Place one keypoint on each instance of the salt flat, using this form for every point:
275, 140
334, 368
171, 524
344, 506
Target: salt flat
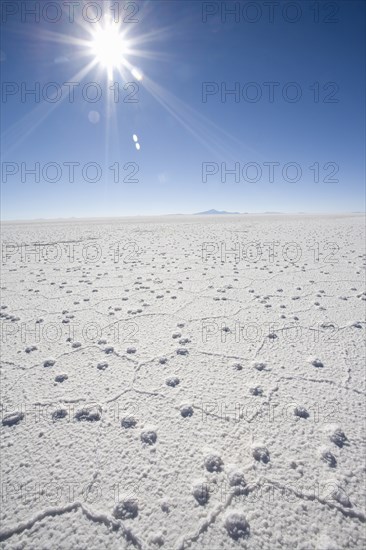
183, 382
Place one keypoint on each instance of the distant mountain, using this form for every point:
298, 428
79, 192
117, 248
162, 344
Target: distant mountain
214, 212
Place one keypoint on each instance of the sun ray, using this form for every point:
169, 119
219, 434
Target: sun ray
23, 128
213, 137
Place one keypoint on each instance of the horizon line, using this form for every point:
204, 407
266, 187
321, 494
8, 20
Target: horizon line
198, 214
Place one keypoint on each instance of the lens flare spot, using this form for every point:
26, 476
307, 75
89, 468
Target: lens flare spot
94, 117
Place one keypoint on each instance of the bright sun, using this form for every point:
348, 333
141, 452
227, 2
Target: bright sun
109, 47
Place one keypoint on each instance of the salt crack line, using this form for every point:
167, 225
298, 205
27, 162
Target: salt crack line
354, 514
58, 511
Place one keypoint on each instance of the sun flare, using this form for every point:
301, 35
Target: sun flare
109, 47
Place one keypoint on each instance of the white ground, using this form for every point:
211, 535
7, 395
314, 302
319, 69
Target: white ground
261, 443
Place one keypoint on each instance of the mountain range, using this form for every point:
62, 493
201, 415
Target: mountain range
214, 212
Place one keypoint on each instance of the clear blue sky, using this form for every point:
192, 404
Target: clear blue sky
178, 46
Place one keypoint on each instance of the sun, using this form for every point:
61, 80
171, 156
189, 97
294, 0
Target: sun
109, 46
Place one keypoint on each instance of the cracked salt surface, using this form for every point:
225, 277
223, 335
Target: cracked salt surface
176, 402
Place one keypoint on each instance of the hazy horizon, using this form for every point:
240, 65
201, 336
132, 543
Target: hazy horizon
196, 214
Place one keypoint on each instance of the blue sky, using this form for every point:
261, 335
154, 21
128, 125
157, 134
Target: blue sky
182, 49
